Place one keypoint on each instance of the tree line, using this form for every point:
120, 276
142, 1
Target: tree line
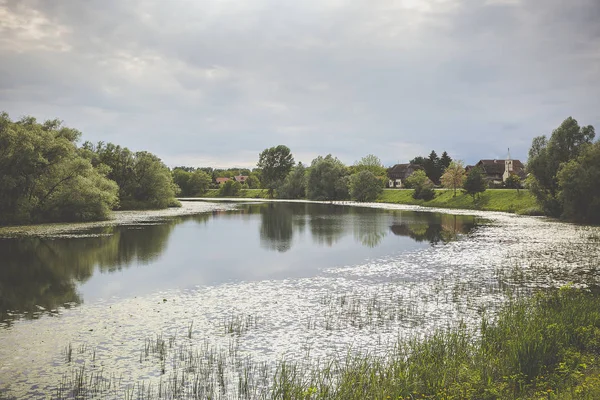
45, 176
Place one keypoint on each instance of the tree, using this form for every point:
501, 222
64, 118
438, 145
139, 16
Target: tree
454, 176
475, 183
181, 177
422, 185
44, 176
144, 180
513, 182
419, 161
432, 167
444, 162
294, 186
275, 163
370, 163
579, 181
253, 181
230, 188
327, 179
199, 182
365, 186
545, 159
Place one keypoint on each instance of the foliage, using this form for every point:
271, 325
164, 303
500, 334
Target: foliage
144, 181
327, 179
294, 186
230, 188
454, 176
579, 182
45, 177
513, 182
475, 183
432, 167
365, 186
419, 160
275, 163
253, 181
370, 163
422, 185
199, 182
545, 159
444, 162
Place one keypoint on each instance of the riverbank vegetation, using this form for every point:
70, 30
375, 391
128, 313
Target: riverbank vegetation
46, 177
541, 347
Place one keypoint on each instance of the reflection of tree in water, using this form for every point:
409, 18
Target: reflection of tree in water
369, 227
44, 272
434, 228
276, 229
326, 223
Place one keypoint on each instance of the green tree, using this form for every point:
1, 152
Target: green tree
454, 176
432, 167
327, 179
444, 163
579, 182
199, 183
513, 182
294, 186
475, 183
144, 180
419, 160
422, 185
275, 163
365, 186
181, 177
546, 157
370, 163
230, 188
253, 181
45, 177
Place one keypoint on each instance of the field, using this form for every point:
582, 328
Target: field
507, 200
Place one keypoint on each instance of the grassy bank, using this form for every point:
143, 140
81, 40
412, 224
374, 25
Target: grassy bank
545, 347
507, 200
244, 193
542, 348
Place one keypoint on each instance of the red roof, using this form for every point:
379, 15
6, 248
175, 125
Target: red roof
222, 180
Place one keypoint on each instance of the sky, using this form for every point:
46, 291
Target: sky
215, 82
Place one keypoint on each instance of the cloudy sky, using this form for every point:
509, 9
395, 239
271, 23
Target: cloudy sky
214, 82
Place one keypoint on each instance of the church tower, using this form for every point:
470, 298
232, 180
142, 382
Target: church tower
508, 167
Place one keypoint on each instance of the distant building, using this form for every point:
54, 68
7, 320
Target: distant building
240, 178
222, 180
497, 171
398, 173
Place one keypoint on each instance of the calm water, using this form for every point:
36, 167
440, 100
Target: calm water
286, 276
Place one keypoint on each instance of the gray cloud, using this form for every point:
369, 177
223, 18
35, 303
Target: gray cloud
215, 82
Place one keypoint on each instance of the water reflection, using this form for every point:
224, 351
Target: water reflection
40, 274
434, 228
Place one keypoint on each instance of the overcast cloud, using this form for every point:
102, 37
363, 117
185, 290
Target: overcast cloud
214, 82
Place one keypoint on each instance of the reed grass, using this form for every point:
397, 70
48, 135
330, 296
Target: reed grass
541, 347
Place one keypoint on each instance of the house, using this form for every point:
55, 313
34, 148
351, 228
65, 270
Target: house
399, 172
497, 171
220, 181
240, 178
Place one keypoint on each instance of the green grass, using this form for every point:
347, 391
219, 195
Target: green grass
546, 347
543, 347
244, 193
507, 200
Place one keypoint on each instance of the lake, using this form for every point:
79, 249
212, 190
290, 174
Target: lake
252, 284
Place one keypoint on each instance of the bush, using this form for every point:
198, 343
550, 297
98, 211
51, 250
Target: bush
230, 188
